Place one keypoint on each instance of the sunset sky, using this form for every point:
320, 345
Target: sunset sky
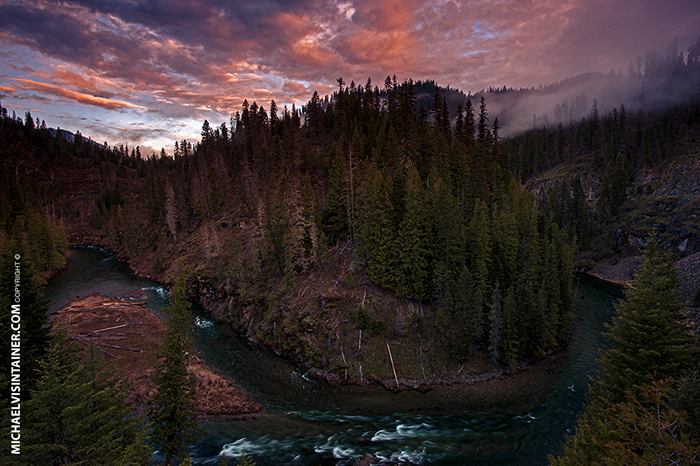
149, 72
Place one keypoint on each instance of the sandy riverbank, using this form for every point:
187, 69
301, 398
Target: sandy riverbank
130, 335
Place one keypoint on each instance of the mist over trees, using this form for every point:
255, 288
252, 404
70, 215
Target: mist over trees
414, 178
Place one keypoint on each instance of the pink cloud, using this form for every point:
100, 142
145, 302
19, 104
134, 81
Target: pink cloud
199, 59
69, 94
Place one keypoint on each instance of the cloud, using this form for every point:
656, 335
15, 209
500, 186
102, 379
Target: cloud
80, 97
196, 59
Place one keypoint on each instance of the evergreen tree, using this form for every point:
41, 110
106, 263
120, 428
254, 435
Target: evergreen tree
380, 233
78, 414
482, 129
464, 303
469, 124
171, 410
336, 213
413, 244
509, 343
643, 430
495, 324
647, 336
479, 244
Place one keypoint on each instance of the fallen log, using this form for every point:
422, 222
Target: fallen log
117, 347
86, 343
110, 328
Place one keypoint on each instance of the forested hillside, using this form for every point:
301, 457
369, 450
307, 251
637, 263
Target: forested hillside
369, 216
365, 196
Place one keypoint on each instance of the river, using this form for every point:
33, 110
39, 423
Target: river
308, 422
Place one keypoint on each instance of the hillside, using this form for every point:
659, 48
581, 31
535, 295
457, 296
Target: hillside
329, 240
368, 223
641, 176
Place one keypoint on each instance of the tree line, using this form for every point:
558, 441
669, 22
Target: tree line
431, 209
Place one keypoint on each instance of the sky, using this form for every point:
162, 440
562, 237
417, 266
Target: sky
148, 73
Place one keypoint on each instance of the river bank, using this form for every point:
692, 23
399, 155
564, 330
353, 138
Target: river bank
130, 335
513, 419
466, 375
622, 273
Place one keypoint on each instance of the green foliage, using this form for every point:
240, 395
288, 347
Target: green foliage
171, 409
336, 214
413, 244
684, 396
77, 413
380, 232
508, 346
643, 430
644, 406
479, 244
366, 322
41, 242
647, 336
616, 181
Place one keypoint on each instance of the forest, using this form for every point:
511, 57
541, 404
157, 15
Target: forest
364, 216
429, 213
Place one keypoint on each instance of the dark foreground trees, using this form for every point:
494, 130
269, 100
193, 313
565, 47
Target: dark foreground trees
77, 413
648, 336
642, 406
172, 406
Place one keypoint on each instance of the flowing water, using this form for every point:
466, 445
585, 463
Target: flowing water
306, 421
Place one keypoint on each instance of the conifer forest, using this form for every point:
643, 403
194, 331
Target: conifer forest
397, 236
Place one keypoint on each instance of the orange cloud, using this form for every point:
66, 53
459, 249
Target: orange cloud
296, 89
393, 49
9, 90
389, 15
66, 77
79, 97
309, 52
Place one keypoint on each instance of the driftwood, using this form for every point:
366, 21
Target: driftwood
102, 336
117, 347
391, 358
88, 344
342, 353
81, 307
110, 328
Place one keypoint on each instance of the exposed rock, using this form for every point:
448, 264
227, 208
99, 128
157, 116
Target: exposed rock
620, 272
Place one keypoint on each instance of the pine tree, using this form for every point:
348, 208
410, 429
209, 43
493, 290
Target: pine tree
78, 414
482, 130
469, 124
643, 430
413, 244
647, 336
479, 244
509, 344
448, 240
172, 406
467, 321
380, 233
495, 324
336, 214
